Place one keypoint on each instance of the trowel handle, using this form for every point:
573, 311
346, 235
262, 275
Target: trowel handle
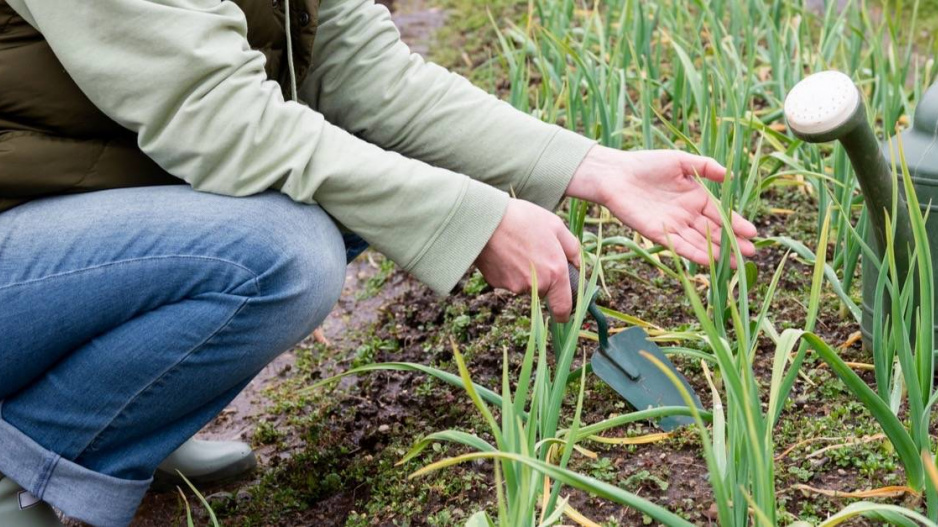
602, 325
575, 286
623, 362
574, 281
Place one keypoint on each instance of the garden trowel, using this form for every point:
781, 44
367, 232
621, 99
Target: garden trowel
619, 363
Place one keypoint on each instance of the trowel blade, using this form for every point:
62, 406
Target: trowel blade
652, 388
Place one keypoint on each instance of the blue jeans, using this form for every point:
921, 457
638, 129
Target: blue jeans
130, 318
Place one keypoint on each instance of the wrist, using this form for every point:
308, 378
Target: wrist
595, 175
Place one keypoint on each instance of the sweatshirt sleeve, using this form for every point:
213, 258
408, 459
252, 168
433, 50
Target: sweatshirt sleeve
368, 82
180, 73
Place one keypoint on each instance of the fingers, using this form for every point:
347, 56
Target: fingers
699, 241
688, 250
559, 292
570, 245
560, 295
532, 241
708, 168
708, 228
705, 167
702, 225
742, 228
746, 247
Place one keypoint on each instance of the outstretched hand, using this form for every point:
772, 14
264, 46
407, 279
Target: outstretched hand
656, 192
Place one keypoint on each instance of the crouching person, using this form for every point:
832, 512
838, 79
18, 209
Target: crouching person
181, 185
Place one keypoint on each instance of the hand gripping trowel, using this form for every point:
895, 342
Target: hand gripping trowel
619, 363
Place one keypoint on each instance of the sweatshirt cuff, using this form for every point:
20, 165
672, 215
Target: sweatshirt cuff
555, 167
470, 226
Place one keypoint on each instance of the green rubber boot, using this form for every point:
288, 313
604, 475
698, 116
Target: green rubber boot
204, 463
19, 508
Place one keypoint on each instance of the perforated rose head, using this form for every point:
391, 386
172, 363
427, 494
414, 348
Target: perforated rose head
824, 107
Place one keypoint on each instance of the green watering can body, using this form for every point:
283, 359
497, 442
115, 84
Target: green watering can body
920, 148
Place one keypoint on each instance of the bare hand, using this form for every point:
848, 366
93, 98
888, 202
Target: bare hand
656, 193
529, 236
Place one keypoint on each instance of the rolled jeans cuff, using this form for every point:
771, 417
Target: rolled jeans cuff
92, 497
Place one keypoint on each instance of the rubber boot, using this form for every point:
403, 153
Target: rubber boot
205, 462
19, 508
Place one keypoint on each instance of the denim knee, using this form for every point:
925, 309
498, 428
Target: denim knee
299, 257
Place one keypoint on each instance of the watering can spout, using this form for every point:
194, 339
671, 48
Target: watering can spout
828, 106
879, 185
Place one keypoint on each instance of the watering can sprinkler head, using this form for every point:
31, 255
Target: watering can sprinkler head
824, 107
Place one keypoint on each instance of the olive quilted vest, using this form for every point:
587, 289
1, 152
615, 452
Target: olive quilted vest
53, 140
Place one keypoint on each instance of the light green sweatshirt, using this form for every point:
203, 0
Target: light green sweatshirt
411, 157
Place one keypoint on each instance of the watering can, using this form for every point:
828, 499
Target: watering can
828, 106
